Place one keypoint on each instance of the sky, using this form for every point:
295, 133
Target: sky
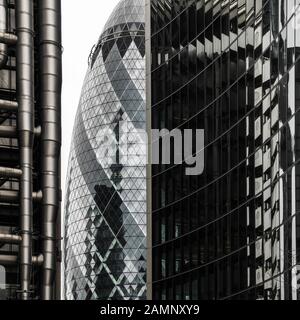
82, 24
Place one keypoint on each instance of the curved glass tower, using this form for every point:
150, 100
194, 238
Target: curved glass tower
105, 212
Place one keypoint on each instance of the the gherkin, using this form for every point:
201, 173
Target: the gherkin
105, 212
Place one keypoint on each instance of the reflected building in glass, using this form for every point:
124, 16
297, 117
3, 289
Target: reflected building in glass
105, 212
231, 68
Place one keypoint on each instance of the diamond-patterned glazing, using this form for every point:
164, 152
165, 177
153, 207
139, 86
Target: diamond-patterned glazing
105, 212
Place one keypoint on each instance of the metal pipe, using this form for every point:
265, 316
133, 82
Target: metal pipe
10, 172
8, 105
3, 30
25, 98
11, 196
50, 78
10, 260
10, 238
12, 132
8, 38
8, 132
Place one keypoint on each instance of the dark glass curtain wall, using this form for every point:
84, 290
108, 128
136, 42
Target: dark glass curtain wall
231, 68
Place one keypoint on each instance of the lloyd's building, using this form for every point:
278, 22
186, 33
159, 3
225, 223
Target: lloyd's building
30, 141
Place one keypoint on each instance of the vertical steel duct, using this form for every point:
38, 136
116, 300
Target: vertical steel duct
50, 51
3, 30
25, 97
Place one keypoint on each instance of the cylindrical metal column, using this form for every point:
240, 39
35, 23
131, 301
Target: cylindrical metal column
25, 97
50, 78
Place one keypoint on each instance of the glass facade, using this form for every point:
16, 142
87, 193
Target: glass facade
231, 68
105, 228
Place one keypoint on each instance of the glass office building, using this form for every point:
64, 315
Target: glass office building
231, 68
30, 141
105, 213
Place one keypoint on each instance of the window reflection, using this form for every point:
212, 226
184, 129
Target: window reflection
240, 82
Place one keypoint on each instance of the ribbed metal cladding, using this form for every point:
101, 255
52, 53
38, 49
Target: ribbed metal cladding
25, 97
50, 51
